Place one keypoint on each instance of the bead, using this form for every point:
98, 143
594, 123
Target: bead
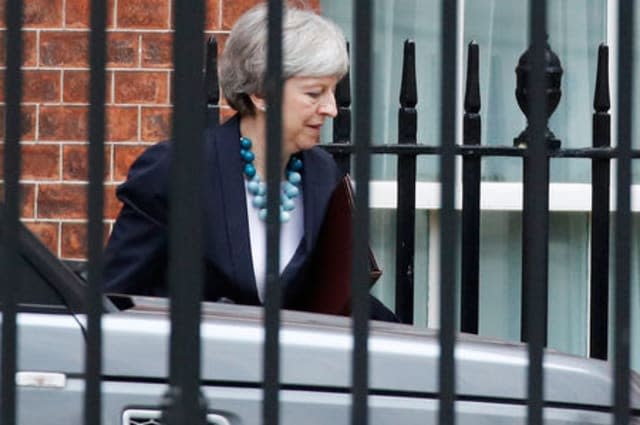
249, 170
294, 177
288, 204
284, 216
253, 186
295, 164
247, 156
245, 143
262, 213
291, 190
259, 201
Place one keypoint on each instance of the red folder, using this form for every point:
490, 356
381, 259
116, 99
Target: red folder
331, 264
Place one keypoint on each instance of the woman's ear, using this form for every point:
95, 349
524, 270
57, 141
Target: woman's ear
258, 102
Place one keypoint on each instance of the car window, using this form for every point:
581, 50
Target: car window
45, 283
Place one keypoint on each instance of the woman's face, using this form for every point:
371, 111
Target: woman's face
307, 102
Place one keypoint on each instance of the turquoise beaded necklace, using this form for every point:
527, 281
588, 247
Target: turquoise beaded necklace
258, 189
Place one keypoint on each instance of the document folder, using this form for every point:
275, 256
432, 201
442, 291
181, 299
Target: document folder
331, 264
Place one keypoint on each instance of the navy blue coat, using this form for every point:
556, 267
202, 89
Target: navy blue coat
136, 254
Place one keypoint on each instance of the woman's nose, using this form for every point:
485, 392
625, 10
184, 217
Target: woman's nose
328, 106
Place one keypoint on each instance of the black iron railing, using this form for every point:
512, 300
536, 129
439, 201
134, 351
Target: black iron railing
184, 403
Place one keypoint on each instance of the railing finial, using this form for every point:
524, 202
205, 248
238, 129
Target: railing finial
601, 98
472, 92
553, 77
408, 87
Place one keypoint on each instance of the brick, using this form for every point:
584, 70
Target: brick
157, 50
123, 158
41, 86
122, 49
29, 56
69, 201
212, 21
27, 199
74, 241
42, 13
122, 123
76, 86
62, 201
28, 122
112, 205
47, 233
141, 87
232, 10
136, 14
67, 123
77, 13
156, 124
75, 162
40, 162
64, 48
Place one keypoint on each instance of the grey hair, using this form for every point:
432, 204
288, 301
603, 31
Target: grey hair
313, 46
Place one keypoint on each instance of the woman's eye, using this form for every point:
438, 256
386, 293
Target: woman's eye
314, 94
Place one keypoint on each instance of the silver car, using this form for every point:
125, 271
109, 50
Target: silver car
315, 370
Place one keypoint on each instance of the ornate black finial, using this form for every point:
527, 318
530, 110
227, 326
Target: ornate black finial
472, 91
553, 78
408, 87
601, 99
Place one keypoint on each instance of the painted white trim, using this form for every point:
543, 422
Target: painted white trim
433, 268
497, 196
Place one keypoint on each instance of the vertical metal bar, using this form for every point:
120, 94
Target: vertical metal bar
406, 186
93, 362
622, 295
470, 262
11, 247
273, 86
185, 404
536, 215
448, 221
362, 28
600, 190
211, 85
342, 121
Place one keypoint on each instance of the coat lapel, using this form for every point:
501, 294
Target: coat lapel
230, 179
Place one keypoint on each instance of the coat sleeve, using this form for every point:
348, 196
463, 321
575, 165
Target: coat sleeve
136, 253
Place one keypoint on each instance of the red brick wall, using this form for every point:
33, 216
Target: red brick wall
55, 103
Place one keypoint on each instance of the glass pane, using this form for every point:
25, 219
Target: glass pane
500, 27
500, 278
383, 243
394, 22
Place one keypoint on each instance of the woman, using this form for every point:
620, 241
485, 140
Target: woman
314, 60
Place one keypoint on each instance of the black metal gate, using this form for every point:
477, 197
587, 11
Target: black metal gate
184, 401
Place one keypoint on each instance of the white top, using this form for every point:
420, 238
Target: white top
290, 236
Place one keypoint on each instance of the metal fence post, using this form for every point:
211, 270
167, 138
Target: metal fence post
184, 403
97, 54
600, 191
621, 357
11, 215
406, 187
448, 217
362, 28
471, 174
